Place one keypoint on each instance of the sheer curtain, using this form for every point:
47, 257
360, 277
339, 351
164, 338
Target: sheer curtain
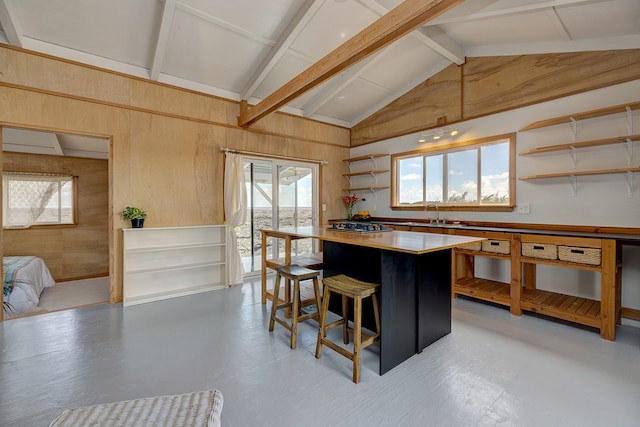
235, 212
26, 196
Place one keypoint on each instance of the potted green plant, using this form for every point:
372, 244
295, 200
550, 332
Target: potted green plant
135, 215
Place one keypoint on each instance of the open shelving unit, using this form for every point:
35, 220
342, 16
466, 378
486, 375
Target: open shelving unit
374, 172
167, 262
575, 145
522, 292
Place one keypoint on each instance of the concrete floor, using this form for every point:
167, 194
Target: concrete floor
493, 369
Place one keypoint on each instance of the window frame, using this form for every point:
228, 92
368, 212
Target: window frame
453, 147
74, 200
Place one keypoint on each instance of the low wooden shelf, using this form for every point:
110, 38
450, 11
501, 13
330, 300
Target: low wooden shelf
566, 307
522, 292
484, 289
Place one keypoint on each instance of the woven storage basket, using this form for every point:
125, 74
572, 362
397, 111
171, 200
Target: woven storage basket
539, 250
472, 246
497, 246
578, 255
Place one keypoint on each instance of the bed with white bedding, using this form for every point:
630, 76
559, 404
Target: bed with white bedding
25, 277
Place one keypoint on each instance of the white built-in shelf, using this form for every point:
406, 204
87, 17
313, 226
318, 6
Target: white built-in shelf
167, 262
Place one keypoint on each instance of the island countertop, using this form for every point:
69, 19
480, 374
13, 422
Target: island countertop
401, 241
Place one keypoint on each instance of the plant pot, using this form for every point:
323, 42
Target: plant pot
137, 223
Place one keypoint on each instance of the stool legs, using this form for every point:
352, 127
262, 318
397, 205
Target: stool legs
358, 342
295, 313
293, 305
274, 305
323, 320
357, 337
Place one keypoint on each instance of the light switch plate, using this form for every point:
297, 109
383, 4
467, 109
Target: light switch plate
524, 208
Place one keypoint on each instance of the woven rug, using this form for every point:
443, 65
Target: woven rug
202, 408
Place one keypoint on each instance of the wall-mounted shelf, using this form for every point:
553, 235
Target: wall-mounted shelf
367, 157
373, 189
371, 172
575, 145
574, 174
571, 118
582, 144
374, 172
579, 173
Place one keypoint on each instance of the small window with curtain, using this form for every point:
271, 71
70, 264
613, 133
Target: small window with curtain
469, 175
37, 199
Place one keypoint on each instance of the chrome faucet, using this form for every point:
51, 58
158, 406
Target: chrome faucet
426, 208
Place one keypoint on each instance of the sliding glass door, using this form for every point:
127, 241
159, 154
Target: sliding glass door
280, 193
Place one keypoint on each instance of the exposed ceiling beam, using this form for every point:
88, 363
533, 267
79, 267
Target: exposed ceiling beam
436, 40
168, 11
555, 19
401, 20
297, 24
555, 46
55, 144
462, 14
10, 24
339, 83
224, 24
440, 42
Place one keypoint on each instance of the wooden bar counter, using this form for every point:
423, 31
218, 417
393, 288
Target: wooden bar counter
414, 271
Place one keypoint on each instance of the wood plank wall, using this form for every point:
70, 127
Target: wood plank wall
165, 142
70, 252
489, 85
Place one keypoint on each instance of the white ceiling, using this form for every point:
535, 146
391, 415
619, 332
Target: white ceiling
246, 49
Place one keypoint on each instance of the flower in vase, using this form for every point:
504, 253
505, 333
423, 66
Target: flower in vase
350, 201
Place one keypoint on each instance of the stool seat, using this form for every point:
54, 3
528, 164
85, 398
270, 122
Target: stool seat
293, 273
348, 287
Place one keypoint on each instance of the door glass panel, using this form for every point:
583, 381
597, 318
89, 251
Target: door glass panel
293, 203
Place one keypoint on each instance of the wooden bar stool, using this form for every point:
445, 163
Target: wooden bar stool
348, 287
295, 273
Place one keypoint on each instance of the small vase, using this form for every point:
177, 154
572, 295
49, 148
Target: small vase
349, 213
137, 222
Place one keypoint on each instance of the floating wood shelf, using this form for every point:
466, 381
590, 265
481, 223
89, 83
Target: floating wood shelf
581, 116
580, 173
365, 172
366, 188
367, 157
372, 172
582, 144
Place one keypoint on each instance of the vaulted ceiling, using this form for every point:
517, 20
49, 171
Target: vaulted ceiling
248, 49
